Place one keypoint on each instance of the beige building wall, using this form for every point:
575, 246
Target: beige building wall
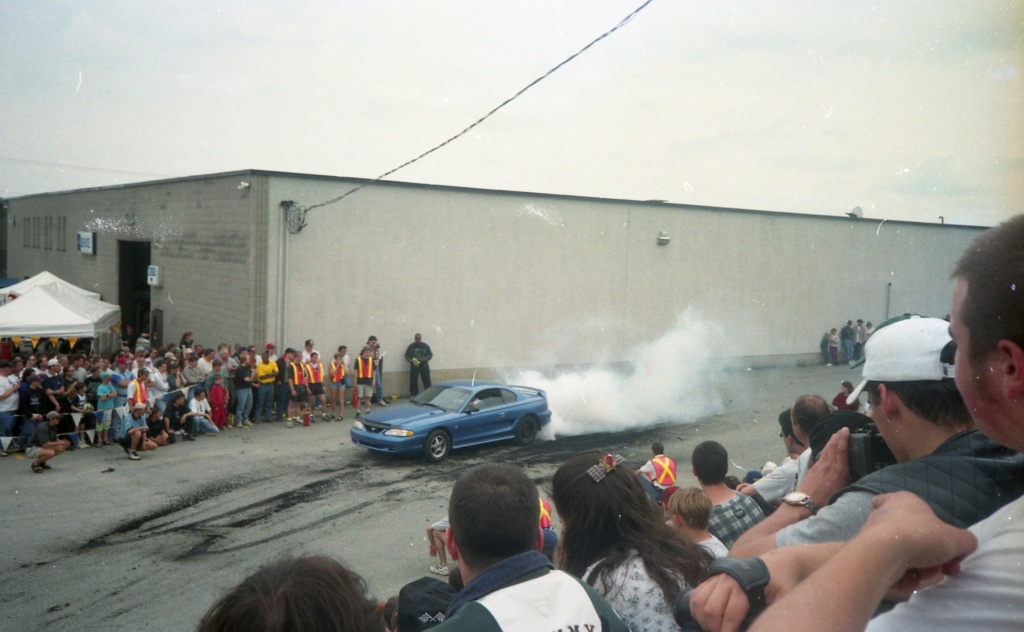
493, 280
499, 280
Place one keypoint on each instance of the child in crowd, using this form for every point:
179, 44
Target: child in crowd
337, 374
105, 396
219, 401
689, 510
76, 397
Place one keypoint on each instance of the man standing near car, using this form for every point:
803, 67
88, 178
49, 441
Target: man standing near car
418, 355
378, 367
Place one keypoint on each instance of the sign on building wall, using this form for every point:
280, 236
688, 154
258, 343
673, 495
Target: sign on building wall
87, 243
154, 276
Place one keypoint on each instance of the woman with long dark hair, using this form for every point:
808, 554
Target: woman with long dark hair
616, 540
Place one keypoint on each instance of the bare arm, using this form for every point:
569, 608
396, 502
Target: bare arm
826, 477
720, 605
901, 543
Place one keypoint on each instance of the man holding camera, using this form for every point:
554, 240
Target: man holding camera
917, 409
903, 543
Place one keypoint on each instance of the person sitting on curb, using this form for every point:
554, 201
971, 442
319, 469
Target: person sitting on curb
43, 445
177, 418
201, 413
135, 438
657, 474
436, 534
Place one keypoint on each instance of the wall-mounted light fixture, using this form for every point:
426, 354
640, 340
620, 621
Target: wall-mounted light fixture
663, 238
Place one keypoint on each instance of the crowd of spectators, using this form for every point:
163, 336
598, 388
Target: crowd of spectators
846, 343
142, 398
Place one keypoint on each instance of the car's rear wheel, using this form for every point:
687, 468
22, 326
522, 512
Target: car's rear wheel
437, 446
526, 432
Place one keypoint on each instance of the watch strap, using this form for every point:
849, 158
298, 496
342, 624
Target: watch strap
752, 575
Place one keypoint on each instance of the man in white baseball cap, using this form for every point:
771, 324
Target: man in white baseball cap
908, 349
916, 407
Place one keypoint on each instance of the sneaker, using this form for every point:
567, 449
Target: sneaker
133, 455
246, 426
189, 438
358, 415
45, 466
383, 403
440, 570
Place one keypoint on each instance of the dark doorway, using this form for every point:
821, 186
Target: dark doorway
133, 258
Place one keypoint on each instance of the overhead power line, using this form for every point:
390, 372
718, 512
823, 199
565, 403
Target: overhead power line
63, 165
301, 211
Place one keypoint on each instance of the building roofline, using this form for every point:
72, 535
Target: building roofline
463, 189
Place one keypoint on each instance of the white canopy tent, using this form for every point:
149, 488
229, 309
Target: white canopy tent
53, 311
41, 280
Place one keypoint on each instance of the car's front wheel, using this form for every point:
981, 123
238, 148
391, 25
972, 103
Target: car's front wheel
527, 430
437, 446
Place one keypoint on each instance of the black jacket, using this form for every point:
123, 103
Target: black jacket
964, 481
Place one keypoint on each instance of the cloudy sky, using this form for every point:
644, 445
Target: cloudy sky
910, 110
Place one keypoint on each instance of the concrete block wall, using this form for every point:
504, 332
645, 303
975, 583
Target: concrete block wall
201, 231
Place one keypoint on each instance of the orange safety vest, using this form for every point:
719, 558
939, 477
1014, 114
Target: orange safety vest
316, 375
364, 367
298, 374
664, 470
141, 394
338, 371
545, 514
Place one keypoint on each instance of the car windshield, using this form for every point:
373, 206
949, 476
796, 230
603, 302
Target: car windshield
448, 398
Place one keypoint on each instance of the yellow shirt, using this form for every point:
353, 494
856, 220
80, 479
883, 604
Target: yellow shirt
266, 372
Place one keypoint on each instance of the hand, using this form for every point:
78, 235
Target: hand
832, 470
720, 605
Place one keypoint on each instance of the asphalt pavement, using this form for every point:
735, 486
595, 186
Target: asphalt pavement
104, 543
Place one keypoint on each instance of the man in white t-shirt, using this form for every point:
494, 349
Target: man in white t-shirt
9, 399
199, 406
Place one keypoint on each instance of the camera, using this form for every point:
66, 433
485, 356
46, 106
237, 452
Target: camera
868, 452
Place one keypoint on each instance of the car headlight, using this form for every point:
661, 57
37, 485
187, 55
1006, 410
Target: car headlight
358, 425
398, 432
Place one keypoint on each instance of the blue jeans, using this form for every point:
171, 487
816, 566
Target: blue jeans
283, 394
379, 389
264, 402
202, 424
653, 491
117, 428
7, 423
243, 404
848, 349
28, 427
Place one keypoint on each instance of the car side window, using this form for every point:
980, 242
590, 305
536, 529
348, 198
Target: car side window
488, 399
507, 397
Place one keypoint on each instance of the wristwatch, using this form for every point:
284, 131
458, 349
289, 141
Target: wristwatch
800, 499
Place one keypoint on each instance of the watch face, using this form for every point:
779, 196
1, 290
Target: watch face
795, 498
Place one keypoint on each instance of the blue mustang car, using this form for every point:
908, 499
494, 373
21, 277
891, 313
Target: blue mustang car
455, 415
